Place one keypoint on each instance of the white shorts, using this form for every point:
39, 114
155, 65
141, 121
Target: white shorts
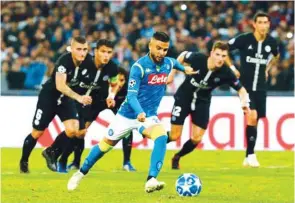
121, 126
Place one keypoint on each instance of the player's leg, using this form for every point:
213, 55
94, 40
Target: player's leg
258, 110
180, 111
118, 128
79, 145
68, 114
43, 115
200, 119
158, 134
73, 143
87, 116
28, 146
127, 147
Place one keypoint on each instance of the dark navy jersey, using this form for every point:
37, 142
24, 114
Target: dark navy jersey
254, 59
205, 80
96, 81
75, 75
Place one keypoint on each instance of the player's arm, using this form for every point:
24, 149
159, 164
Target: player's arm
135, 77
245, 100
242, 92
61, 85
113, 90
229, 63
180, 65
274, 60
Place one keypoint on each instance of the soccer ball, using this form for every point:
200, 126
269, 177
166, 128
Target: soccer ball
188, 184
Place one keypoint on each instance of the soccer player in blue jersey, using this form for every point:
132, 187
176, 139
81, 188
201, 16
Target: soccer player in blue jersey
146, 87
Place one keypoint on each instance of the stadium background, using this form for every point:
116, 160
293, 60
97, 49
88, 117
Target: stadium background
34, 34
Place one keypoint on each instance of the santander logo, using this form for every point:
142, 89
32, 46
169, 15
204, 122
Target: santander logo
157, 79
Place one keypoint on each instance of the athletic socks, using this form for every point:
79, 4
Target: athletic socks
188, 147
67, 151
28, 146
157, 156
78, 150
94, 155
59, 144
127, 146
251, 135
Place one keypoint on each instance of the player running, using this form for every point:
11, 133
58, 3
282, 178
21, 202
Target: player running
194, 95
146, 87
57, 98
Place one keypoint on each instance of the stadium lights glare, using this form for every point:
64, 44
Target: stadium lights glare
183, 7
289, 35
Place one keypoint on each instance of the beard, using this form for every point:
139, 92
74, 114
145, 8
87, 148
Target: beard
155, 58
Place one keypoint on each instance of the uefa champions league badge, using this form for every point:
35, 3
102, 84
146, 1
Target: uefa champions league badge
111, 132
267, 48
132, 83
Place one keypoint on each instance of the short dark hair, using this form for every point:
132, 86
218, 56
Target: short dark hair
105, 42
161, 36
261, 14
220, 45
123, 72
80, 39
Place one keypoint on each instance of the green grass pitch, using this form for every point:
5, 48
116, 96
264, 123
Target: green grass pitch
223, 177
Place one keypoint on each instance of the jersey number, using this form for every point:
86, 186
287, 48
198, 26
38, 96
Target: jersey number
176, 111
38, 116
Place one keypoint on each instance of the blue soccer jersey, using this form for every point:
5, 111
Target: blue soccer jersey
146, 86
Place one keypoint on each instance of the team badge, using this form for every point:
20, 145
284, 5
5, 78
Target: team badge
267, 48
216, 80
105, 78
159, 165
111, 132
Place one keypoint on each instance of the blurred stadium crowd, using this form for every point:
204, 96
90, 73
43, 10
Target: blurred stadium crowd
34, 34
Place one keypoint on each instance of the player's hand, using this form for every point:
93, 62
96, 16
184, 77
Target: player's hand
246, 110
85, 100
237, 73
190, 71
141, 117
111, 103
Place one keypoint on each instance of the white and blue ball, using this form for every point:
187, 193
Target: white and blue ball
188, 184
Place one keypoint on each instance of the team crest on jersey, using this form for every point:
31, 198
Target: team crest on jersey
157, 79
111, 132
105, 78
216, 80
132, 83
61, 69
84, 71
159, 165
267, 48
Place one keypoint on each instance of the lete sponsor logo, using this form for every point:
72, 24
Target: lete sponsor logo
157, 79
